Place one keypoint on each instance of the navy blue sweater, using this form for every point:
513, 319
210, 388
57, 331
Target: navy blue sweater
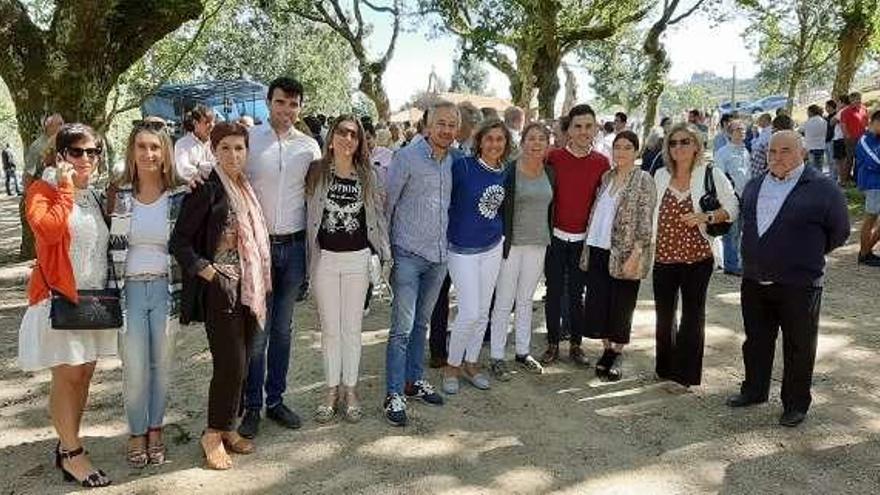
812, 222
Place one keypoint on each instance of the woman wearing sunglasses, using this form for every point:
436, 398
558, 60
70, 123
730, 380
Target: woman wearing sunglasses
345, 223
143, 207
684, 257
221, 243
72, 240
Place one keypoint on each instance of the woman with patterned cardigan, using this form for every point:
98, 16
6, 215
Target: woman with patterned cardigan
617, 252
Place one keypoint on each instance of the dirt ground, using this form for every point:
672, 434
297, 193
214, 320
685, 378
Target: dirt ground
563, 432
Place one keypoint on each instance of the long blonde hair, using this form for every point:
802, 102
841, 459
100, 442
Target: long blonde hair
169, 174
695, 136
320, 169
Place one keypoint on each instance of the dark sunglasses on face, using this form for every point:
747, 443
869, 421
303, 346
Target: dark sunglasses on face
341, 132
150, 124
679, 142
79, 152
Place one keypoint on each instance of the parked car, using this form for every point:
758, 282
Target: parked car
739, 107
769, 103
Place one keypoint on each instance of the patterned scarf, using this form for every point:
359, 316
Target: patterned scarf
253, 244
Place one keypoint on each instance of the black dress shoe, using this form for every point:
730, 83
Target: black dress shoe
284, 416
742, 400
250, 423
791, 419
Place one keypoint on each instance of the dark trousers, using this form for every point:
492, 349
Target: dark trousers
439, 336
562, 271
679, 350
795, 310
11, 177
230, 328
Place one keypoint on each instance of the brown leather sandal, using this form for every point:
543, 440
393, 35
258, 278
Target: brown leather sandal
238, 444
156, 450
215, 454
137, 452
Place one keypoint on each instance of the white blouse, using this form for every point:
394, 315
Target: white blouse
599, 234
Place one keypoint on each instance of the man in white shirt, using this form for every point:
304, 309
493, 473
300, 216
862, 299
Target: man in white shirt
815, 130
192, 152
278, 159
514, 120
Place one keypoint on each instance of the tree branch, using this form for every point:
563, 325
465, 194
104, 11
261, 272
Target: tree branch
378, 8
568, 39
24, 39
687, 13
394, 33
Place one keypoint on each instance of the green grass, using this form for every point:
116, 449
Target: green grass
855, 201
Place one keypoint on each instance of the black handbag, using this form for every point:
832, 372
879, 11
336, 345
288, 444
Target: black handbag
709, 202
96, 309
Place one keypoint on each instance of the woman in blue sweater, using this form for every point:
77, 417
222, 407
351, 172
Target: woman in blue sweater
475, 236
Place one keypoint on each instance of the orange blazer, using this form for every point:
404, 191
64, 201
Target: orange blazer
47, 210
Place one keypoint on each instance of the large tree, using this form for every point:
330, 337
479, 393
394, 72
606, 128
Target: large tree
538, 33
860, 22
353, 28
72, 64
794, 45
469, 75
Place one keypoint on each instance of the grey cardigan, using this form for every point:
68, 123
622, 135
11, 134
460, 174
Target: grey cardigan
377, 228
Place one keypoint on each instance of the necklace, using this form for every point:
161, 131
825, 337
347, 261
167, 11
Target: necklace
83, 198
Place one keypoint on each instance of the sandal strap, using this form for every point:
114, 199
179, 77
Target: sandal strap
70, 454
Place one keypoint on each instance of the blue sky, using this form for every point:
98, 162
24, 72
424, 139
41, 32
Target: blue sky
694, 45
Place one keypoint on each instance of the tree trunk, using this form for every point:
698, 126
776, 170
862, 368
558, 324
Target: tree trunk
851, 45
655, 76
371, 85
546, 72
794, 79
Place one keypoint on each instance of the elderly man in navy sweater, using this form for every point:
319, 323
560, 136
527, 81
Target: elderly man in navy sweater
792, 217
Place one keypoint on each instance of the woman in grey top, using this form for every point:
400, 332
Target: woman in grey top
528, 203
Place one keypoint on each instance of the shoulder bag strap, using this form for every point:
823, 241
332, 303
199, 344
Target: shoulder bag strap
709, 181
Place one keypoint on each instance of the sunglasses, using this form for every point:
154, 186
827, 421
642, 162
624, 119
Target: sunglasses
342, 132
679, 142
79, 152
152, 125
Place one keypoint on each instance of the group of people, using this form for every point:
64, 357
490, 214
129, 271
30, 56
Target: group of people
223, 228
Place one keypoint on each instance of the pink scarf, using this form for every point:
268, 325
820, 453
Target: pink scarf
253, 244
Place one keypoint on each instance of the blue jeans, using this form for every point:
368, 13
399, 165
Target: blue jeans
731, 242
829, 159
416, 284
146, 353
270, 349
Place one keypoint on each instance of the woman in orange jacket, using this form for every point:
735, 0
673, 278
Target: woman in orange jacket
72, 240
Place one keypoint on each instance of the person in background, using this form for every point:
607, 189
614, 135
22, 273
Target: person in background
345, 222
652, 155
418, 192
9, 170
192, 152
792, 218
838, 143
620, 122
143, 207
528, 222
854, 121
868, 181
381, 154
560, 132
722, 137
734, 160
515, 120
684, 258
397, 138
603, 140
34, 161
72, 241
830, 125
617, 252
470, 120
475, 234
247, 121
815, 129
489, 113
578, 169
221, 242
278, 160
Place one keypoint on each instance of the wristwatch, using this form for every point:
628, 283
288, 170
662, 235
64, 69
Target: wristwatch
710, 217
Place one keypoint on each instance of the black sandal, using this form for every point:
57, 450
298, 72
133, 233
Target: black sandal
96, 479
604, 363
614, 372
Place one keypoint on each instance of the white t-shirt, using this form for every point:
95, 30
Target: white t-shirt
191, 156
148, 238
814, 132
838, 129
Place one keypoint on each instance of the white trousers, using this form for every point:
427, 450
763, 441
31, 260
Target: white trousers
517, 282
340, 284
473, 276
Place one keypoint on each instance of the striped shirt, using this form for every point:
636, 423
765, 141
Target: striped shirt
418, 190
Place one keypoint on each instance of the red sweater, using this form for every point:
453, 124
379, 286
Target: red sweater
577, 180
854, 120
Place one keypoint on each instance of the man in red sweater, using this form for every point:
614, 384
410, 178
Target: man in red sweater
853, 122
578, 171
